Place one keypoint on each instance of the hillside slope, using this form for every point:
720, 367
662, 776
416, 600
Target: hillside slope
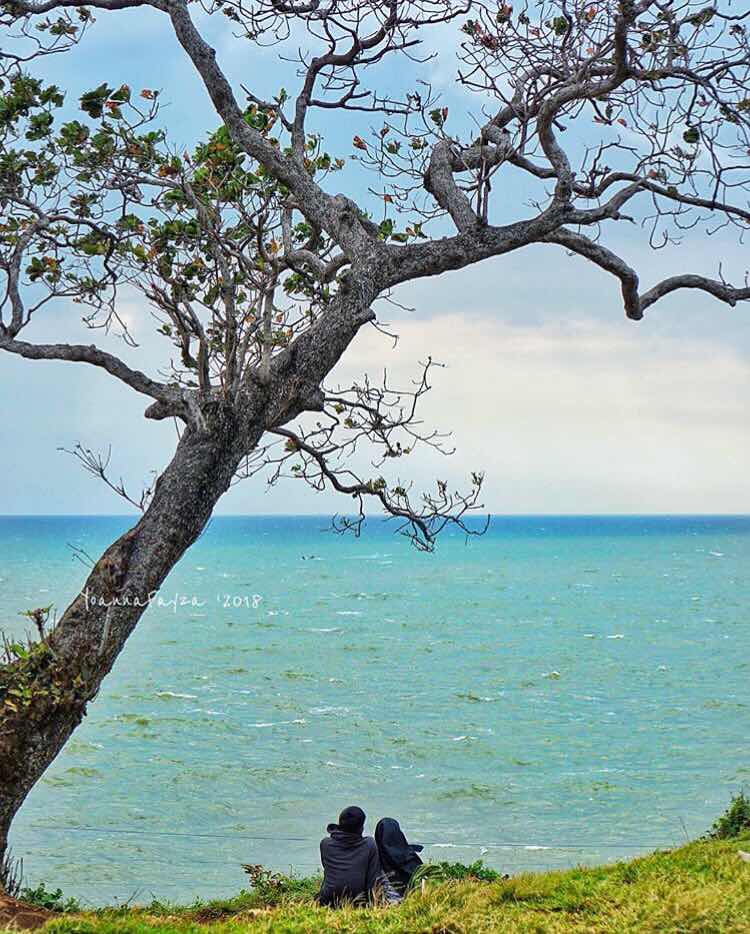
702, 887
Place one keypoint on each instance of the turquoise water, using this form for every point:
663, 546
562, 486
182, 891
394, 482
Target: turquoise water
562, 690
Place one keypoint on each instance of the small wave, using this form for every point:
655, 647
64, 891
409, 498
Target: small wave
83, 772
134, 718
476, 698
717, 554
262, 726
474, 790
175, 694
327, 629
348, 612
82, 746
376, 557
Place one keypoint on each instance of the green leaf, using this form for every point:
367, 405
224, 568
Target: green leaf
385, 229
691, 135
39, 126
121, 95
92, 102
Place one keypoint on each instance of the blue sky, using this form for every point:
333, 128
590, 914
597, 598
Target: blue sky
568, 407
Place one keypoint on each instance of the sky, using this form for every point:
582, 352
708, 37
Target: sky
564, 404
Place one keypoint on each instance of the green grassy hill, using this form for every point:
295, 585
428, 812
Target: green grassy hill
702, 887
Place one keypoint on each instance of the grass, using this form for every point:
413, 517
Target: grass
701, 887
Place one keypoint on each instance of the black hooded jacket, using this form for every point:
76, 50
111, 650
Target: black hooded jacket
398, 857
351, 866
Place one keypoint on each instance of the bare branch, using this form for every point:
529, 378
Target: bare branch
79, 353
98, 465
386, 420
636, 304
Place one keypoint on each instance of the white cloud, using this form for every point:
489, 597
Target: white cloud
565, 409
579, 416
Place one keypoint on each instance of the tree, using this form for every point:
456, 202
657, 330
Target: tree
259, 278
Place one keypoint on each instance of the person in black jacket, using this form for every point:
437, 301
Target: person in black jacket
398, 857
351, 865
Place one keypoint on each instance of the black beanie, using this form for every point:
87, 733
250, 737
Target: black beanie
352, 820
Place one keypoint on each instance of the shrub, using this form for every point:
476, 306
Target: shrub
445, 872
734, 821
11, 875
49, 900
273, 888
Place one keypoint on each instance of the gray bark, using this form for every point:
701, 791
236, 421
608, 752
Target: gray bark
95, 627
89, 636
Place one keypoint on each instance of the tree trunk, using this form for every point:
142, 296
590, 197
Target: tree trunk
43, 697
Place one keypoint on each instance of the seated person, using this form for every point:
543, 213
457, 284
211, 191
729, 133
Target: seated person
398, 857
351, 866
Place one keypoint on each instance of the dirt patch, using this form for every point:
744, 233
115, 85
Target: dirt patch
14, 914
210, 915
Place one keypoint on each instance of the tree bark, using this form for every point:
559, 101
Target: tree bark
44, 697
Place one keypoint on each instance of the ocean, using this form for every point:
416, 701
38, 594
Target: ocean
558, 691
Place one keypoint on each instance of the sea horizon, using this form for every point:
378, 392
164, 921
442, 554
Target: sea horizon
566, 689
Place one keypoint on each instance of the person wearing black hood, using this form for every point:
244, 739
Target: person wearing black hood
398, 857
351, 865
